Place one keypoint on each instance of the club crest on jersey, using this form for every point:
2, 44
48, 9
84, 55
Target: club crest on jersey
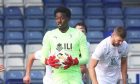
67, 46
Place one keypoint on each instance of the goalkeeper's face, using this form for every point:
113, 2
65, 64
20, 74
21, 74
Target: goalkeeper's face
61, 20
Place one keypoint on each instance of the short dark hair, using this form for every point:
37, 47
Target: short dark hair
120, 31
63, 9
81, 24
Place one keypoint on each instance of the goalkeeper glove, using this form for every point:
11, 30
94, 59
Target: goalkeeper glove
52, 61
70, 62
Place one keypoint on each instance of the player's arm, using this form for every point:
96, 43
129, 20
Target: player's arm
45, 48
83, 50
124, 64
95, 58
91, 69
1, 68
124, 69
30, 61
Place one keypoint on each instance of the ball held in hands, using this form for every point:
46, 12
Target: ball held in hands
61, 60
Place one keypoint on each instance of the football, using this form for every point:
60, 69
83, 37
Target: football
62, 56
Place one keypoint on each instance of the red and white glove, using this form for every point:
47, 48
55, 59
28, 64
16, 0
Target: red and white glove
53, 62
70, 62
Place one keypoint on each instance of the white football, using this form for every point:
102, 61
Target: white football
62, 56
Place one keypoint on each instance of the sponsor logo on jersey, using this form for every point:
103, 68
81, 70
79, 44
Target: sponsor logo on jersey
67, 46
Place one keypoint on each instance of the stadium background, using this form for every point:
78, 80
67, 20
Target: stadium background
24, 22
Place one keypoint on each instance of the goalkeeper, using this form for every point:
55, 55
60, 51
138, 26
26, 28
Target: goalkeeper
68, 39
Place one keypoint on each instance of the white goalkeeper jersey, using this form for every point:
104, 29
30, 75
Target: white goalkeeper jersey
109, 65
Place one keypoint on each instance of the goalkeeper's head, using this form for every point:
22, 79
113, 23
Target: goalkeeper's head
62, 16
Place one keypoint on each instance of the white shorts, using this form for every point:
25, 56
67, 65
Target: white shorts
47, 80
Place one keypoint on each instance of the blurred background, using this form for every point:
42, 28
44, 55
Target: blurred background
24, 22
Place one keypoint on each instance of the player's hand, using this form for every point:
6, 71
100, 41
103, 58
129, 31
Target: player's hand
83, 69
53, 62
70, 62
1, 68
26, 79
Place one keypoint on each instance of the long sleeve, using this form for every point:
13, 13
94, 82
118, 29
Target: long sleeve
45, 47
83, 50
